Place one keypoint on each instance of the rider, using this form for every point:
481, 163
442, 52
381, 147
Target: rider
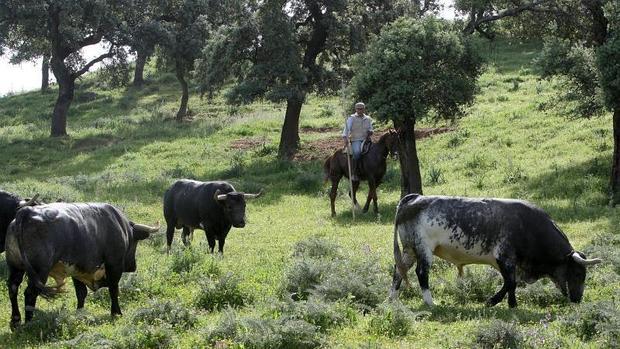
357, 129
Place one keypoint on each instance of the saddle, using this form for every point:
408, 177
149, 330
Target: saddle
365, 148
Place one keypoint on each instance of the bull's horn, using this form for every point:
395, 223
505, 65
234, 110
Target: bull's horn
146, 228
219, 197
253, 196
24, 203
585, 262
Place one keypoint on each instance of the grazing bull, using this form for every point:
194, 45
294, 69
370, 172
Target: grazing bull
93, 243
9, 204
214, 207
513, 236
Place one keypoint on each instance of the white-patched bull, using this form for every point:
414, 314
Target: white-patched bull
214, 207
513, 236
93, 243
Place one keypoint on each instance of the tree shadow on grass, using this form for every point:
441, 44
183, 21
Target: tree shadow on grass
453, 313
584, 185
344, 216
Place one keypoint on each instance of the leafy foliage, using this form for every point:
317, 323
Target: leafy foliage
415, 67
499, 334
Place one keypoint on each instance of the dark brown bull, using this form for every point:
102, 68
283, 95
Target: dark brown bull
372, 169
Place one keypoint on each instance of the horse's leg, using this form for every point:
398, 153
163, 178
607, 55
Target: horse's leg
374, 198
371, 189
333, 192
356, 185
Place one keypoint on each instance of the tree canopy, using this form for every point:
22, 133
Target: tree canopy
414, 69
284, 50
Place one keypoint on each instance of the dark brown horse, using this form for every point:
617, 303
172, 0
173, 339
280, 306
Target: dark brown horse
372, 169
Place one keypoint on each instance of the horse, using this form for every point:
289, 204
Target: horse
371, 169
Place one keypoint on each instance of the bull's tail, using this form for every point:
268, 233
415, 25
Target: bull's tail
398, 259
21, 219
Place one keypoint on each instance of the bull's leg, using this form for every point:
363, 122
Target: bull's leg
30, 299
113, 275
422, 270
169, 234
333, 193
15, 279
507, 269
80, 292
220, 245
211, 241
187, 231
397, 279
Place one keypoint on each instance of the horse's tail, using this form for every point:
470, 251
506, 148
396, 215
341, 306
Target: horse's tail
326, 169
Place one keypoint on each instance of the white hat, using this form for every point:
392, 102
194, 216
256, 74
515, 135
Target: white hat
360, 105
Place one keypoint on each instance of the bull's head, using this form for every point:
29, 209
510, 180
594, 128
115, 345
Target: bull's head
570, 277
139, 232
233, 204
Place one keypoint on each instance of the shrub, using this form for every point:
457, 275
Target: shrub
590, 320
225, 292
542, 294
499, 334
361, 281
226, 328
476, 286
315, 247
308, 181
165, 312
303, 276
320, 313
147, 337
183, 260
88, 341
393, 320
56, 324
267, 333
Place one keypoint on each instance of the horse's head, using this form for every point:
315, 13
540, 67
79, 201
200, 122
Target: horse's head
390, 140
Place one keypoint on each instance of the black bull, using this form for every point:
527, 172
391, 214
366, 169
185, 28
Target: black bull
214, 207
94, 243
9, 204
513, 236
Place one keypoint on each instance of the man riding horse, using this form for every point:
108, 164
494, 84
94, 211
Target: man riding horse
370, 168
357, 130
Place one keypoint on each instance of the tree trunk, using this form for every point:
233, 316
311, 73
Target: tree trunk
45, 73
66, 89
411, 180
185, 97
615, 168
138, 77
289, 138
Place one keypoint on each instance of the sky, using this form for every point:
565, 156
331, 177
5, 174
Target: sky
27, 76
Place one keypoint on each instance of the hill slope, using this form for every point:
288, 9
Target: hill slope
125, 149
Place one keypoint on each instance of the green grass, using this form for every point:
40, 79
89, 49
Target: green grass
124, 148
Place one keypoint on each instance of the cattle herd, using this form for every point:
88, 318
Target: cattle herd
94, 243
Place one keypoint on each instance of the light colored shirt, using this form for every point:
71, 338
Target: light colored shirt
357, 127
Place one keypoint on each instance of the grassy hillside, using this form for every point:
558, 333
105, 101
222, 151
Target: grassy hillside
125, 149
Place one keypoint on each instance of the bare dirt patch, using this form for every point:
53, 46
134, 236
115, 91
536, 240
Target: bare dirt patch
322, 148
248, 143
